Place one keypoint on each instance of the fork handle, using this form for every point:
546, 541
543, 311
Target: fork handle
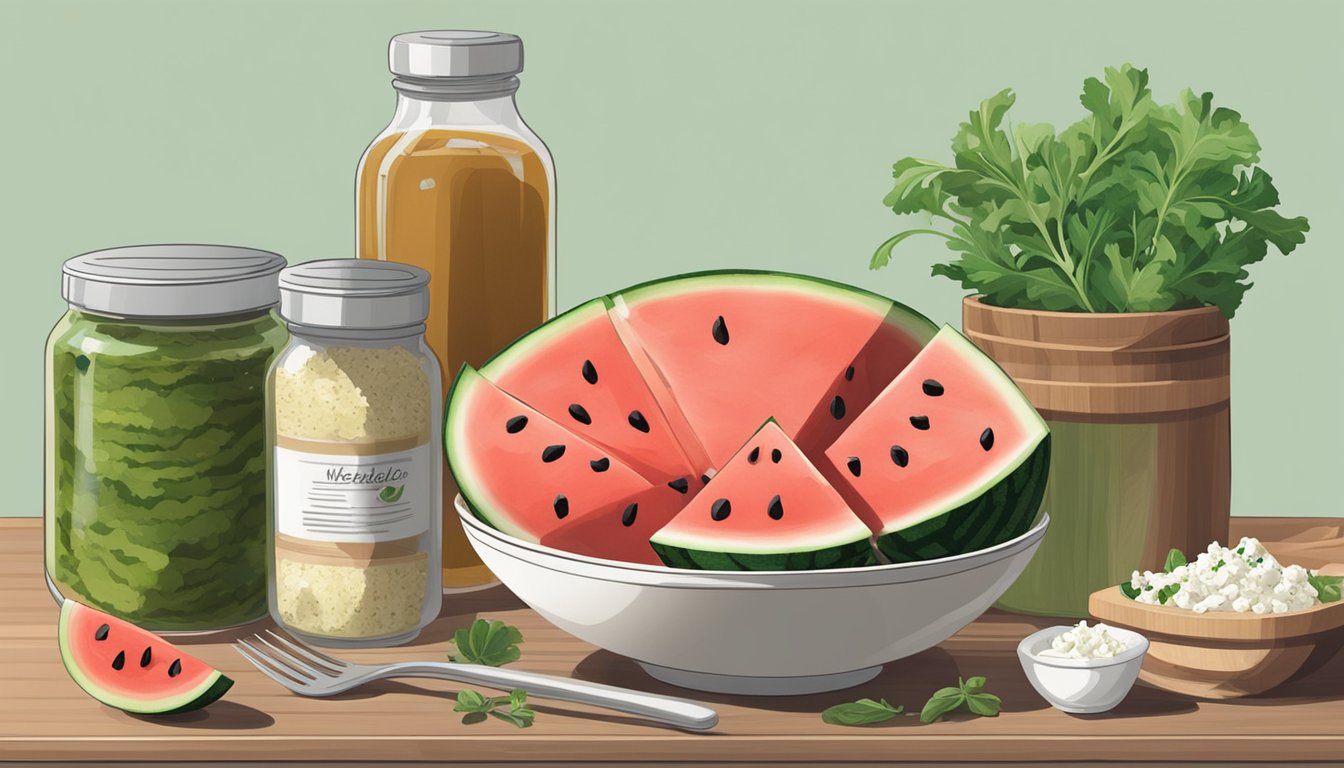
663, 709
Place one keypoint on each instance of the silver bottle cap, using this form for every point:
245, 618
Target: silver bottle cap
172, 281
455, 53
357, 294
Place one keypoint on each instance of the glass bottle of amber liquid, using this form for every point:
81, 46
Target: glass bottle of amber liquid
458, 185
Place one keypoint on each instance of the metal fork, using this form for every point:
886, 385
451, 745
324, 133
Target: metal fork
309, 672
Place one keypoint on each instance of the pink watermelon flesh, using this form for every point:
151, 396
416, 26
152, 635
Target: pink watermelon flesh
854, 388
521, 471
767, 509
132, 669
734, 349
951, 433
622, 533
575, 370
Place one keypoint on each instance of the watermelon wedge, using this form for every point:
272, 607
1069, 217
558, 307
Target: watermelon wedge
950, 457
736, 348
621, 532
576, 370
133, 669
521, 471
768, 509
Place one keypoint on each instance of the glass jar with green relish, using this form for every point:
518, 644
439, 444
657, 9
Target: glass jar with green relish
156, 479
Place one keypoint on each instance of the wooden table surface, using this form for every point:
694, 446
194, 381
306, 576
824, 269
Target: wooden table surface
45, 717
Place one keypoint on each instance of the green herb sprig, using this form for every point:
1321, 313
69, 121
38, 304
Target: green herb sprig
1138, 207
478, 707
1328, 588
491, 643
968, 694
861, 712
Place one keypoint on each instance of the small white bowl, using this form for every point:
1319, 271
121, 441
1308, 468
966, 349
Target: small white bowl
764, 633
1082, 686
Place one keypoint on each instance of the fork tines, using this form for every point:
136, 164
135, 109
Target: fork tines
289, 662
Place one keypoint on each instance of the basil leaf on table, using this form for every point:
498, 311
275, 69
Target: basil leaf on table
861, 712
490, 643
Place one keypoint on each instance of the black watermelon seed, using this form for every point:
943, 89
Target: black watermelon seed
580, 414
638, 422
855, 466
775, 456
120, 661
628, 516
146, 657
516, 424
754, 455
600, 465
589, 372
987, 439
704, 479
919, 422
849, 373
719, 509
899, 456
837, 407
776, 508
561, 506
175, 668
552, 452
720, 330
679, 485
101, 634
933, 388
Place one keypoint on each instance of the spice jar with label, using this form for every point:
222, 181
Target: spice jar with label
354, 403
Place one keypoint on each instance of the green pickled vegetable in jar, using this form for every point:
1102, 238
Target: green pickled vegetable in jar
156, 434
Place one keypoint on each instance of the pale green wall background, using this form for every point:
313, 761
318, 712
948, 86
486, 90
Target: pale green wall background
687, 135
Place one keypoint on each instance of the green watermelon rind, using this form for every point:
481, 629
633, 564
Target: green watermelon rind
1002, 513
855, 554
474, 493
551, 330
207, 692
894, 312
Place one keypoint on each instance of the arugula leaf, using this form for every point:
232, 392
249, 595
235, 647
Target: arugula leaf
1328, 588
479, 707
1175, 559
1136, 207
861, 712
491, 643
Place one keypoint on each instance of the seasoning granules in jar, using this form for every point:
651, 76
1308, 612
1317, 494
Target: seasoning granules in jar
354, 403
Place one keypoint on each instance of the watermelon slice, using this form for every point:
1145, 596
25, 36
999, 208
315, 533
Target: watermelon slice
133, 669
735, 348
621, 532
524, 473
768, 509
576, 370
950, 457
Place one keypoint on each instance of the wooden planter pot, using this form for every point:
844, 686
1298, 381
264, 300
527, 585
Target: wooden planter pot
1138, 407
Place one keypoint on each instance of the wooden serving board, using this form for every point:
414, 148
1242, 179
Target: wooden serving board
45, 717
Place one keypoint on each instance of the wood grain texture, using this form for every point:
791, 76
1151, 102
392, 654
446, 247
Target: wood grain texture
45, 717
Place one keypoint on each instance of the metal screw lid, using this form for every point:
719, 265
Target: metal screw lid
172, 281
455, 53
354, 294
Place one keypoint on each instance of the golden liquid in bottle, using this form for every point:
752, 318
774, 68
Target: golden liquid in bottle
472, 209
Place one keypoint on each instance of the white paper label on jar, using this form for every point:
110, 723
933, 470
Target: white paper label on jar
351, 498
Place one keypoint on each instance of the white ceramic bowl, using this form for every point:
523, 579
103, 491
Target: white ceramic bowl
1082, 686
775, 633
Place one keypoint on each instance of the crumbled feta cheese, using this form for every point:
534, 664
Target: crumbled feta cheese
1242, 578
1084, 642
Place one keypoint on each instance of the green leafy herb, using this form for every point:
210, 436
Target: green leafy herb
511, 709
1167, 592
861, 712
391, 493
1127, 589
1175, 559
1328, 588
969, 694
1137, 207
492, 643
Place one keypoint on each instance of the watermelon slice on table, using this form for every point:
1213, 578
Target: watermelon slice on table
736, 348
576, 370
133, 669
768, 509
950, 457
523, 472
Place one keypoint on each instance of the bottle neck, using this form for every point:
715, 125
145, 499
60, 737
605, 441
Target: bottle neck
493, 110
456, 88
